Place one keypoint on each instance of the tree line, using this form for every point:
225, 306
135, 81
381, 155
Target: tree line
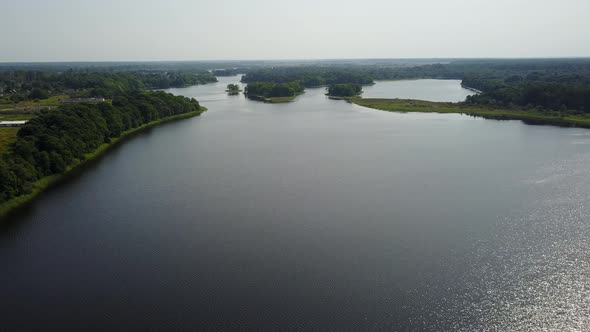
310, 76
57, 139
545, 84
531, 91
344, 90
233, 89
19, 85
269, 89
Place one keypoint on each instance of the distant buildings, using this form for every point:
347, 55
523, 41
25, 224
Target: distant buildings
82, 100
12, 123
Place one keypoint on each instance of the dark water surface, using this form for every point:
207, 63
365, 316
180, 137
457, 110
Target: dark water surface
312, 215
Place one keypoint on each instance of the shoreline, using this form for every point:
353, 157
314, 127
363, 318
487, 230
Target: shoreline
421, 106
471, 89
273, 100
348, 99
47, 182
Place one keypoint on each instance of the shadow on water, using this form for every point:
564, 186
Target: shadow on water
531, 122
8, 222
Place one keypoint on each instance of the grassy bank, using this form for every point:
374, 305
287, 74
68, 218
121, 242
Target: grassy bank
528, 116
51, 101
281, 99
16, 117
46, 182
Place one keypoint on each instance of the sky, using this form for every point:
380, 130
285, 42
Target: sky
149, 30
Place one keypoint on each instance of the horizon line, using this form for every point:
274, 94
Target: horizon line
297, 59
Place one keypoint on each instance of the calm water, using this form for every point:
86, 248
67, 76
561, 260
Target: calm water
312, 215
434, 90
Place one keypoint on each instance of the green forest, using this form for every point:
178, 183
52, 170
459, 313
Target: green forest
267, 89
54, 141
20, 85
344, 90
310, 76
543, 84
233, 89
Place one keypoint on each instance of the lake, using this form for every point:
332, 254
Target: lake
312, 215
426, 89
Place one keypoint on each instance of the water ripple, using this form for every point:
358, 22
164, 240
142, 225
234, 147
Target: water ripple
534, 273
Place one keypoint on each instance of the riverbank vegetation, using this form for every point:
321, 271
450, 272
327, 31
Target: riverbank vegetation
485, 111
32, 86
7, 104
344, 90
537, 85
233, 89
310, 76
273, 92
54, 142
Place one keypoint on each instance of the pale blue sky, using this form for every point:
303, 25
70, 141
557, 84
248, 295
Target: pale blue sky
110, 30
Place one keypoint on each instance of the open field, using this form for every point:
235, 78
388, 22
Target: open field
51, 101
529, 116
7, 136
16, 117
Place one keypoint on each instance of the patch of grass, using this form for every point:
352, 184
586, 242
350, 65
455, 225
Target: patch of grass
16, 117
6, 106
280, 99
51, 101
7, 137
529, 116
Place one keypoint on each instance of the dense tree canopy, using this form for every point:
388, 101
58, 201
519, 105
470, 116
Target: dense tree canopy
551, 84
18, 85
344, 90
233, 87
267, 90
310, 76
57, 139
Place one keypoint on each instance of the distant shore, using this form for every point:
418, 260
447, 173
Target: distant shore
527, 116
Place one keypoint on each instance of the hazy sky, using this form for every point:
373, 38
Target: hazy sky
92, 30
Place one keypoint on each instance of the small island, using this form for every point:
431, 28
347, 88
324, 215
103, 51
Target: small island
233, 89
273, 92
344, 91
